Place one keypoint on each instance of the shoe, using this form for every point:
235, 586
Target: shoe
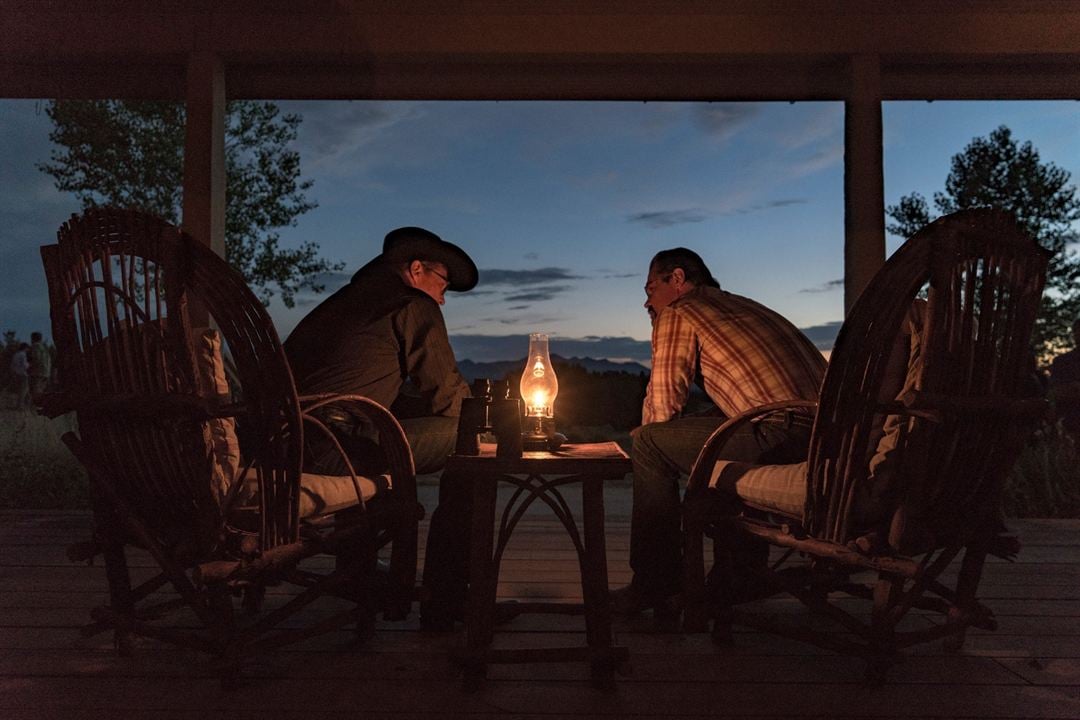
631, 600
432, 621
440, 616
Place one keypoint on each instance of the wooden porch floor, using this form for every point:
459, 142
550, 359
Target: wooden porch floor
1029, 668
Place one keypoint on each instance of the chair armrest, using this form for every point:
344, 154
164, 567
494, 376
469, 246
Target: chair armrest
933, 406
392, 440
153, 407
710, 452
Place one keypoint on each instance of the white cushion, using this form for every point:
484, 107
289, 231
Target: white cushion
225, 448
778, 488
323, 494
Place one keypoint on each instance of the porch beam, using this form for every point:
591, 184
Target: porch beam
864, 178
204, 151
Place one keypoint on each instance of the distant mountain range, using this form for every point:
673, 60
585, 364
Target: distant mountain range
473, 370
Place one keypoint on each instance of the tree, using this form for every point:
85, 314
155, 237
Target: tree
130, 154
996, 171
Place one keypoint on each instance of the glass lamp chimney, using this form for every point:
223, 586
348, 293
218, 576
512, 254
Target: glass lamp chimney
539, 386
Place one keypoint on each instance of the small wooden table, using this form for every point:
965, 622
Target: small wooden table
538, 476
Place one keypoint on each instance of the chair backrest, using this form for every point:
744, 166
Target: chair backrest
122, 285
983, 278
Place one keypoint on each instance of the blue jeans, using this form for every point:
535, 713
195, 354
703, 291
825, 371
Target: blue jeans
661, 454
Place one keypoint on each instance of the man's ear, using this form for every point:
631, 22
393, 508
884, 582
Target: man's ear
410, 271
678, 277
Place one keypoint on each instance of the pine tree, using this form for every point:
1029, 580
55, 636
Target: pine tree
997, 171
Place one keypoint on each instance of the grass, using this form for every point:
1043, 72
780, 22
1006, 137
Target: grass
36, 469
1045, 482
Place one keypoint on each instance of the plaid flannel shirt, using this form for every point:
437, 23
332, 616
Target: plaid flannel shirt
747, 354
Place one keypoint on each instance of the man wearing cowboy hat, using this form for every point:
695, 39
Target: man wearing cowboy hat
383, 336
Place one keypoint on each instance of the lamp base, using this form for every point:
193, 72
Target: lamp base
534, 441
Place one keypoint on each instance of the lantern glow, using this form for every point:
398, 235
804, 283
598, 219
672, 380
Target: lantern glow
539, 386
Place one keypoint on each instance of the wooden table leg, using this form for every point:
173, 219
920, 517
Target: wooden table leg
594, 583
483, 581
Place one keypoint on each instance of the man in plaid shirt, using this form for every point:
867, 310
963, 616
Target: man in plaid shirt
743, 355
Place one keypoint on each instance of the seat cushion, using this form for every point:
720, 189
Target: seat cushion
323, 494
775, 488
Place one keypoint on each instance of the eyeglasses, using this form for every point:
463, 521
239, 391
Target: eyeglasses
435, 272
656, 281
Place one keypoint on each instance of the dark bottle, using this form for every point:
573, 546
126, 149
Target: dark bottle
475, 418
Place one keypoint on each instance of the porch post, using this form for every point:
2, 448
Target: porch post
864, 178
204, 151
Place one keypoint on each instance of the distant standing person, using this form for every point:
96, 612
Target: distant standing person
40, 366
20, 367
1065, 382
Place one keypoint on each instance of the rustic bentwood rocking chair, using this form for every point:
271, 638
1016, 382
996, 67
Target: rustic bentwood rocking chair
950, 435
158, 428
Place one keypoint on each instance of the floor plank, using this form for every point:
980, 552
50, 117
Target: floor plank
1029, 668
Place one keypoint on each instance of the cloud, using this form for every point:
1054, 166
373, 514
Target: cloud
519, 320
825, 287
539, 294
488, 348
332, 135
823, 336
501, 320
770, 205
784, 203
496, 276
724, 120
531, 256
332, 280
508, 285
667, 218
812, 126
819, 160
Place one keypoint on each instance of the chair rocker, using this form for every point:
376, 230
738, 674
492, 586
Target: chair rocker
950, 436
202, 469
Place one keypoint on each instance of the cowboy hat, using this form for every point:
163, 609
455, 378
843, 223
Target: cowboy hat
406, 244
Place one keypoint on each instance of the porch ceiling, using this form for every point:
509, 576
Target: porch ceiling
555, 49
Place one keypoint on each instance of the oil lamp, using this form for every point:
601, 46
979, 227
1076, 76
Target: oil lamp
539, 386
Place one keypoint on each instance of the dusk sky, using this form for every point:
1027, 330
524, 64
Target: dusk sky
562, 204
